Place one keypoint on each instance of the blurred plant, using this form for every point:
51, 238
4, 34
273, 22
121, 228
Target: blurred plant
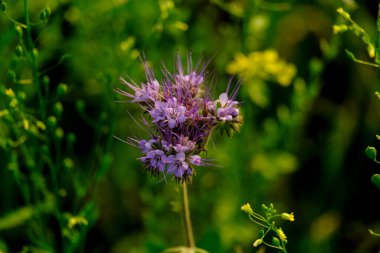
259, 68
373, 50
183, 115
352, 26
38, 152
268, 224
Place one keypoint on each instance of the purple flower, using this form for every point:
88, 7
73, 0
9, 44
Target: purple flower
178, 166
155, 159
182, 115
228, 108
148, 92
146, 146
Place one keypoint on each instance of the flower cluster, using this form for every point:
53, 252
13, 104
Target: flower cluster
182, 115
267, 223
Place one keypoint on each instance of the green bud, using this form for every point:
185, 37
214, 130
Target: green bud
261, 232
35, 52
371, 153
375, 179
21, 96
61, 89
80, 105
43, 15
51, 122
45, 150
18, 51
71, 137
58, 134
58, 108
15, 61
264, 207
276, 242
19, 31
11, 76
30, 163
3, 6
45, 80
48, 11
68, 163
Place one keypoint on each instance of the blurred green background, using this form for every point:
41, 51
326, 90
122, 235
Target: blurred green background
309, 113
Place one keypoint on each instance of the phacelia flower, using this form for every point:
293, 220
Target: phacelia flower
181, 116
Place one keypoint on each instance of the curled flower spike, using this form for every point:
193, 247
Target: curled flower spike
182, 115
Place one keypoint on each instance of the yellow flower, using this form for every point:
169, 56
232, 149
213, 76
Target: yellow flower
287, 216
257, 242
247, 208
9, 93
281, 235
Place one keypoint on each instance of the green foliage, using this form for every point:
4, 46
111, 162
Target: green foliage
68, 186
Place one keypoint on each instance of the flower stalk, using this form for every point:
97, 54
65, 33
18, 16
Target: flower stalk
186, 216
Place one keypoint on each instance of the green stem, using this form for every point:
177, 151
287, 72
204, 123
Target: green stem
186, 216
33, 57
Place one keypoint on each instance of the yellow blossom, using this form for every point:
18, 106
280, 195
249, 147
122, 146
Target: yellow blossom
281, 235
9, 93
247, 208
257, 242
287, 216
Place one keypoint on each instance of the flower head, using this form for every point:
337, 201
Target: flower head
281, 235
182, 116
247, 208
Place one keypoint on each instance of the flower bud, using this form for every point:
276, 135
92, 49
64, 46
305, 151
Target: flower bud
343, 13
61, 89
58, 108
45, 81
18, 51
58, 134
371, 153
371, 51
35, 52
19, 31
21, 96
51, 122
287, 216
3, 6
247, 209
339, 28
261, 232
80, 105
11, 76
375, 179
68, 163
276, 242
71, 137
257, 242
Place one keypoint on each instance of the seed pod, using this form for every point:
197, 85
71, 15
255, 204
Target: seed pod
371, 153
375, 179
